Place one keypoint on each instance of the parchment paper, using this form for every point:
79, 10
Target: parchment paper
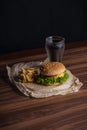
40, 91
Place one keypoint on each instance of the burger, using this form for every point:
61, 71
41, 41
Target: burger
52, 73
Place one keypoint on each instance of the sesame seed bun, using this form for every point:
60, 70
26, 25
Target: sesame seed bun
52, 69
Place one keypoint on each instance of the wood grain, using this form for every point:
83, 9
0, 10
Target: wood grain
18, 112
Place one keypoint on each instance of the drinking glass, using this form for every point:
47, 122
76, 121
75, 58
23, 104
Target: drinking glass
55, 46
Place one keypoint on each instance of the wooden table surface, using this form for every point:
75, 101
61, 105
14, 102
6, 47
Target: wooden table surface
69, 112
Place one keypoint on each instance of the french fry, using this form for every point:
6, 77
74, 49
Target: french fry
27, 75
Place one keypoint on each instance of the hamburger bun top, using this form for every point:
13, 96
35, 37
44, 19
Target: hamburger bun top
52, 69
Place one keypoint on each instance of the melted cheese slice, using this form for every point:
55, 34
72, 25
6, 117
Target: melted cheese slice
61, 75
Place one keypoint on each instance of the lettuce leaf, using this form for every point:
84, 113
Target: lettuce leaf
48, 81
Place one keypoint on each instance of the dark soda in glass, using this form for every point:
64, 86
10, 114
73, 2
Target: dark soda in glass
55, 46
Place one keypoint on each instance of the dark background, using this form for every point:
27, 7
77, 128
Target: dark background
26, 23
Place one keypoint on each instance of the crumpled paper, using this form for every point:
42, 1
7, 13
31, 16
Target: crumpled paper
41, 91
